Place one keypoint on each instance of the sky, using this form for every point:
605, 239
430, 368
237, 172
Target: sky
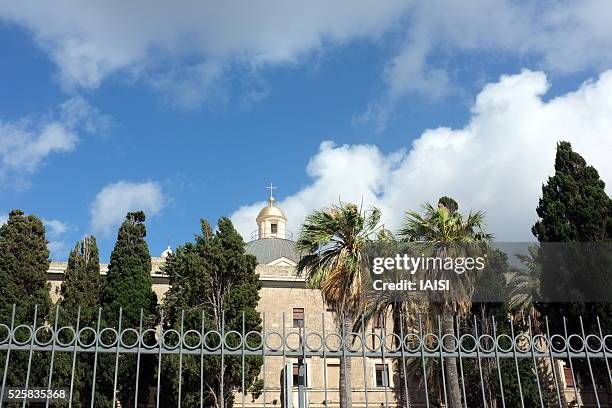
189, 109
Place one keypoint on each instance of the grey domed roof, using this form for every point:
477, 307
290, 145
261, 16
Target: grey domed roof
267, 250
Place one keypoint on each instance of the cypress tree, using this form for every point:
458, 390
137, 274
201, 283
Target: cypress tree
128, 282
128, 287
575, 208
214, 281
24, 261
81, 289
82, 284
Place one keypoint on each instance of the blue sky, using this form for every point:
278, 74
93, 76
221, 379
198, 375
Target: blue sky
191, 112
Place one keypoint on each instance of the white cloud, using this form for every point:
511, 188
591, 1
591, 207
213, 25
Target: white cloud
562, 37
55, 227
191, 49
56, 235
89, 42
115, 200
332, 181
25, 144
497, 162
77, 112
24, 147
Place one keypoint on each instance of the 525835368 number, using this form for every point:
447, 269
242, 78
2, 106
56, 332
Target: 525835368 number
35, 394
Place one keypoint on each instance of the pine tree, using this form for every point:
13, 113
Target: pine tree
24, 261
129, 288
214, 281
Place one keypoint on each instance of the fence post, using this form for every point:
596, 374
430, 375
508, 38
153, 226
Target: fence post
301, 383
525, 352
8, 354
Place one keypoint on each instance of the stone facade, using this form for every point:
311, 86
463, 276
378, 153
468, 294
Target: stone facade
283, 294
55, 277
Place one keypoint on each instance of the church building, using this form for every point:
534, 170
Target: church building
286, 304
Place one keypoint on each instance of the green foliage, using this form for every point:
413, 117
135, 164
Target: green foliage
82, 283
81, 289
490, 286
128, 282
574, 208
525, 282
441, 224
128, 287
213, 286
445, 229
440, 229
492, 319
333, 243
24, 261
449, 203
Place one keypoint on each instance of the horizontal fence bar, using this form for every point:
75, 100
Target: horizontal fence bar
521, 345
482, 354
298, 353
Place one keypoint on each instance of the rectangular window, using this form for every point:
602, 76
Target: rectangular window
382, 375
274, 228
569, 380
296, 375
298, 317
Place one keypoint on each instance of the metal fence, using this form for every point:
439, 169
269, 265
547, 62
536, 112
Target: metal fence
497, 362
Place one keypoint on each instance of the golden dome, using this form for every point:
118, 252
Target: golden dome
271, 211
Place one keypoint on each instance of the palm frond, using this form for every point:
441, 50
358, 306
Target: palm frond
333, 242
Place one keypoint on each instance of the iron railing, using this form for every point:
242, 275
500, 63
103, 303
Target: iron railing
267, 233
486, 355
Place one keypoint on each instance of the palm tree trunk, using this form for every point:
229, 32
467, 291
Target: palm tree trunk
346, 400
402, 387
450, 364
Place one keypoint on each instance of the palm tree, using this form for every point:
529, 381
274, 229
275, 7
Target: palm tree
333, 242
399, 305
524, 294
525, 281
443, 230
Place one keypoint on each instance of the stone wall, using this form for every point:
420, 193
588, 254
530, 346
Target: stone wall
282, 292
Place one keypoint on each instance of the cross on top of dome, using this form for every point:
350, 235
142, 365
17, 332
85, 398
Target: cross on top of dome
271, 220
271, 188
